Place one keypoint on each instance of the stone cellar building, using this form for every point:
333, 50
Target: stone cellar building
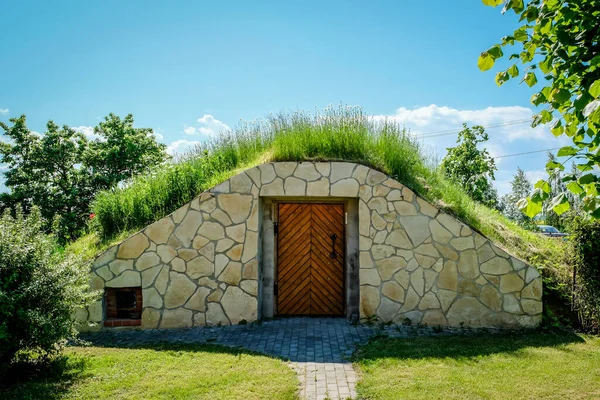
308, 239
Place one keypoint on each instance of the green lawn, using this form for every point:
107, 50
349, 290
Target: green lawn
519, 366
160, 372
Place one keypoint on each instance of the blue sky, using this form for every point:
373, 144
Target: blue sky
190, 68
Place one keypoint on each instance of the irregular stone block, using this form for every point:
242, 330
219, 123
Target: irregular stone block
126, 279
236, 205
179, 290
178, 318
134, 246
239, 305
345, 188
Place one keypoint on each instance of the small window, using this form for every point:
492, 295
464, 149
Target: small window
123, 306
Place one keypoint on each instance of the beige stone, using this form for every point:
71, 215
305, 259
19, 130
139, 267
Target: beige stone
416, 227
467, 264
235, 253
387, 310
399, 238
365, 260
439, 233
532, 274
377, 222
429, 301
119, 266
491, 298
238, 305
345, 188
254, 174
174, 242
365, 243
187, 254
364, 218
495, 266
212, 230
468, 287
267, 173
149, 275
240, 183
411, 301
197, 301
318, 188
208, 282
447, 252
425, 261
126, 279
294, 186
199, 319
404, 208
179, 290
200, 266
150, 318
427, 249
250, 287
369, 277
369, 301
393, 291
252, 222
232, 274
307, 172
180, 213
105, 257
380, 190
365, 192
95, 311
448, 278
434, 318
430, 277
463, 243
499, 251
215, 296
394, 195
285, 169
160, 231
224, 245
96, 283
412, 265
221, 261
403, 278
446, 297
511, 304
208, 251
147, 260
531, 306
375, 177
533, 290
162, 280
177, 264
105, 273
380, 237
250, 270
426, 208
166, 253
237, 206
151, 298
485, 253
380, 251
187, 228
178, 318
467, 312
378, 204
221, 217
274, 188
324, 168
199, 242
236, 232
134, 246
209, 205
360, 174
250, 246
389, 266
340, 170
215, 315
450, 223
417, 281
511, 283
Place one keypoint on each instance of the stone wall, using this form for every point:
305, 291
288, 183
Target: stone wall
201, 265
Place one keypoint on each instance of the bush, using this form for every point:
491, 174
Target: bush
40, 290
584, 254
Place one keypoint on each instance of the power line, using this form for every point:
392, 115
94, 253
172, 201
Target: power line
456, 130
527, 152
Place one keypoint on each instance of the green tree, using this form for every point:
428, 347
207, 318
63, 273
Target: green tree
471, 167
520, 188
40, 288
559, 41
122, 151
45, 170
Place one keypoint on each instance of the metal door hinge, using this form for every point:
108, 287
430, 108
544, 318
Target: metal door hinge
276, 228
346, 218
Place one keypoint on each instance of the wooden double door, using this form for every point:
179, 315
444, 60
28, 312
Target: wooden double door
310, 259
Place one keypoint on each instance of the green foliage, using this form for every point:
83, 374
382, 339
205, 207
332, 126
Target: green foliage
60, 171
584, 255
559, 41
121, 151
40, 289
472, 168
521, 188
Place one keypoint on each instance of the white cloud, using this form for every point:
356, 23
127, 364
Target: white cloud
3, 167
207, 125
536, 175
4, 111
183, 146
87, 131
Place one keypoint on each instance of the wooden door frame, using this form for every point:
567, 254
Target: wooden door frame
275, 211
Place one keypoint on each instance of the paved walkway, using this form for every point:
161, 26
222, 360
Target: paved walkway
318, 349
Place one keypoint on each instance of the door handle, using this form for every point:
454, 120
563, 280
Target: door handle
333, 253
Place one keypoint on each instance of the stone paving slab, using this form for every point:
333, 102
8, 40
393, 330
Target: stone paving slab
318, 349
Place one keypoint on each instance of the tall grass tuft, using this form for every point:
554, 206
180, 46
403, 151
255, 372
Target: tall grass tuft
336, 133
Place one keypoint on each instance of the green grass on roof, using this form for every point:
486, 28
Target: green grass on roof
334, 134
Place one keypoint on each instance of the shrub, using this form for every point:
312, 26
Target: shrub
40, 289
584, 254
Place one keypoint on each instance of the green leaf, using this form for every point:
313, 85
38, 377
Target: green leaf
560, 95
590, 108
575, 188
567, 151
557, 128
501, 77
513, 70
546, 65
587, 179
530, 79
543, 185
595, 89
552, 165
521, 34
546, 116
560, 204
485, 61
529, 207
495, 52
492, 3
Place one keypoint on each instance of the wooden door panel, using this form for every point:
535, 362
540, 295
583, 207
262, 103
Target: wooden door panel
310, 281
